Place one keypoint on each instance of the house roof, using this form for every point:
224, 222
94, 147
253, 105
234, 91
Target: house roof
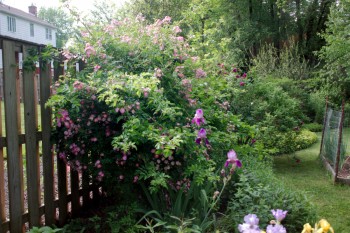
24, 15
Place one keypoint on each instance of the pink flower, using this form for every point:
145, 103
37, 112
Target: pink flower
94, 139
186, 82
122, 111
98, 164
166, 19
180, 38
242, 84
89, 50
232, 159
200, 73
96, 68
62, 155
78, 85
140, 17
194, 59
125, 39
136, 178
146, 92
177, 29
158, 73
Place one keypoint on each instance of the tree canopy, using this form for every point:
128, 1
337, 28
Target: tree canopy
61, 20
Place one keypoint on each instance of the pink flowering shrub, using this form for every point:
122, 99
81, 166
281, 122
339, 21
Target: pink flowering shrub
141, 114
126, 117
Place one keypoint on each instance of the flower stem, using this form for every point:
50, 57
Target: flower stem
215, 201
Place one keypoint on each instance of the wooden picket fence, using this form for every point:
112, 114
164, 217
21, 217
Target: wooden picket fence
47, 192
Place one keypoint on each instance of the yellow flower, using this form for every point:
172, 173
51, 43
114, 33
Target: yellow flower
324, 226
307, 228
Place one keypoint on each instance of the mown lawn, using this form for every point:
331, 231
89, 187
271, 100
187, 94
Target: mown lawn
332, 202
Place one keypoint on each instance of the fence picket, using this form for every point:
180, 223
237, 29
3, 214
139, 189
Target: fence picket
75, 192
31, 145
2, 178
86, 188
48, 161
61, 176
14, 155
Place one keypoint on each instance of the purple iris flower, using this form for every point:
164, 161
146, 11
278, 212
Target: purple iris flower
250, 224
198, 118
279, 214
202, 135
232, 159
276, 229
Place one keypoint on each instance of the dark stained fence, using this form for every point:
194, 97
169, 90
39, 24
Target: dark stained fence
36, 188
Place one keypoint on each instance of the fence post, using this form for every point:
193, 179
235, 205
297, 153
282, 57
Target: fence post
2, 179
14, 155
324, 124
48, 168
32, 147
339, 142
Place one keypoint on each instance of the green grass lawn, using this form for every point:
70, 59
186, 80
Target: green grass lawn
332, 202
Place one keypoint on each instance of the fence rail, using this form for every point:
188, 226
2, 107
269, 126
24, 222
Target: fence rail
33, 190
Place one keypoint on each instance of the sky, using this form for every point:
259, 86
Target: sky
83, 5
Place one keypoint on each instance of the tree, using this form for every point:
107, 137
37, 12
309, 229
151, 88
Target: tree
59, 19
158, 9
336, 53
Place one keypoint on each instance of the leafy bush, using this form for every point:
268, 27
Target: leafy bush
259, 195
267, 105
318, 104
283, 143
313, 127
115, 218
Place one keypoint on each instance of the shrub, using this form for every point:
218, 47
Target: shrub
283, 143
288, 63
313, 127
318, 104
258, 195
267, 105
118, 219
